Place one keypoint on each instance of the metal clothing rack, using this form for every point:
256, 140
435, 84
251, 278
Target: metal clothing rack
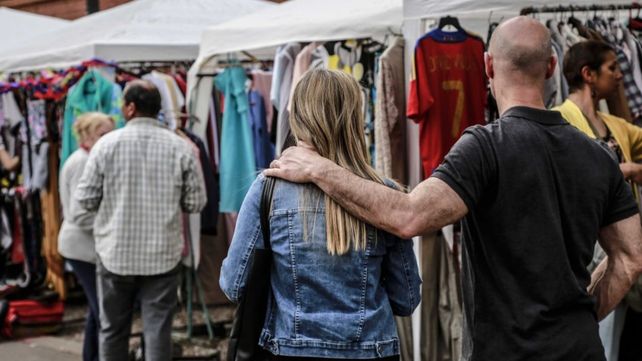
580, 8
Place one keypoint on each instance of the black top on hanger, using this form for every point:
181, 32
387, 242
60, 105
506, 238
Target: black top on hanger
575, 21
449, 20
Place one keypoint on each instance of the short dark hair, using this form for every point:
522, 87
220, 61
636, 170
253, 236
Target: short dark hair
591, 53
145, 96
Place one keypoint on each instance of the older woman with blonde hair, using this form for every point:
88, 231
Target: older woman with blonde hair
335, 280
76, 240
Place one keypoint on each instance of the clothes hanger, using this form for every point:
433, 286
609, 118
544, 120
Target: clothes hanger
450, 20
392, 31
586, 16
573, 21
250, 56
389, 33
637, 6
636, 23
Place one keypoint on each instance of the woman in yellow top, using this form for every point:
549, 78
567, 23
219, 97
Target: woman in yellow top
592, 73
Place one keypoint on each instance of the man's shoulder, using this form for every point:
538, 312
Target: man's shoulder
173, 141
483, 132
179, 142
107, 141
146, 131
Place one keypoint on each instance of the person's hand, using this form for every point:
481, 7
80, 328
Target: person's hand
8, 162
632, 171
13, 165
298, 164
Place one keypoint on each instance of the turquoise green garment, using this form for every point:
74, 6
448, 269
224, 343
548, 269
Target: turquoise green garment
116, 112
92, 93
237, 167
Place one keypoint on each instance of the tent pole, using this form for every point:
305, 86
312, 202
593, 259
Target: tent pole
571, 8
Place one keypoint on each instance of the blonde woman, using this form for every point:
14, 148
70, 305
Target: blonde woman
75, 240
336, 281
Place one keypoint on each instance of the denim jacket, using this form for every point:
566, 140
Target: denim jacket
322, 305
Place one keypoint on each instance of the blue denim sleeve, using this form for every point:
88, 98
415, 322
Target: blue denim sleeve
247, 237
401, 276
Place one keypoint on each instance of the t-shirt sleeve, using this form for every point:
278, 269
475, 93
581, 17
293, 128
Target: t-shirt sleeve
419, 97
621, 203
469, 167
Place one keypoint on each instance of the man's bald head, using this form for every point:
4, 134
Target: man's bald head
145, 96
521, 46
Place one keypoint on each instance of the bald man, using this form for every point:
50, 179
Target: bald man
532, 206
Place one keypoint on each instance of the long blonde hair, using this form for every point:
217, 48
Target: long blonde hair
327, 114
87, 123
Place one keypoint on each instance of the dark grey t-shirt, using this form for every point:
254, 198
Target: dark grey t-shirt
538, 191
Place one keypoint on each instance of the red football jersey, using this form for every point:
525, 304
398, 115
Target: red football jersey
447, 91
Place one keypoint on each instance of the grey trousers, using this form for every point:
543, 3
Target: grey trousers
116, 297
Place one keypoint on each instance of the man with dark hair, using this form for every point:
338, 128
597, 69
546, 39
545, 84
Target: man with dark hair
146, 97
139, 179
532, 206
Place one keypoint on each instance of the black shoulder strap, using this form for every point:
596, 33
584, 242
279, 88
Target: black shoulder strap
266, 204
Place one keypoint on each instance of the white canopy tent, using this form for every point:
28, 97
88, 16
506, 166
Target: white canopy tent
295, 20
303, 20
300, 20
21, 26
141, 30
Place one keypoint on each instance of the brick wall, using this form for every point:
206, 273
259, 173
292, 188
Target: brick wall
106, 4
65, 9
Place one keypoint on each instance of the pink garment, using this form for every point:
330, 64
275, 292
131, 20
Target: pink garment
301, 65
230, 225
262, 83
390, 113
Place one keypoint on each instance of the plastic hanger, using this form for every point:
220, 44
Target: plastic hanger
449, 20
573, 21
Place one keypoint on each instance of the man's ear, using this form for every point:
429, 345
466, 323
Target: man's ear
130, 109
488, 65
550, 67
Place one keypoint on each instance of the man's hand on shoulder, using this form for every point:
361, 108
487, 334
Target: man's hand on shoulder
300, 164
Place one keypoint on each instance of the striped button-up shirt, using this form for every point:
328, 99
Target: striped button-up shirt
139, 179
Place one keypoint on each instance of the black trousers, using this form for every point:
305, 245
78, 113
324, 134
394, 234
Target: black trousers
86, 274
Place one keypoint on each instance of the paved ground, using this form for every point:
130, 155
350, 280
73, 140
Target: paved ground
42, 348
67, 344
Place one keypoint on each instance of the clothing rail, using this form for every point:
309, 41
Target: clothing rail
572, 8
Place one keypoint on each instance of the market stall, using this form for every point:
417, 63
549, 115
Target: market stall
145, 30
81, 66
